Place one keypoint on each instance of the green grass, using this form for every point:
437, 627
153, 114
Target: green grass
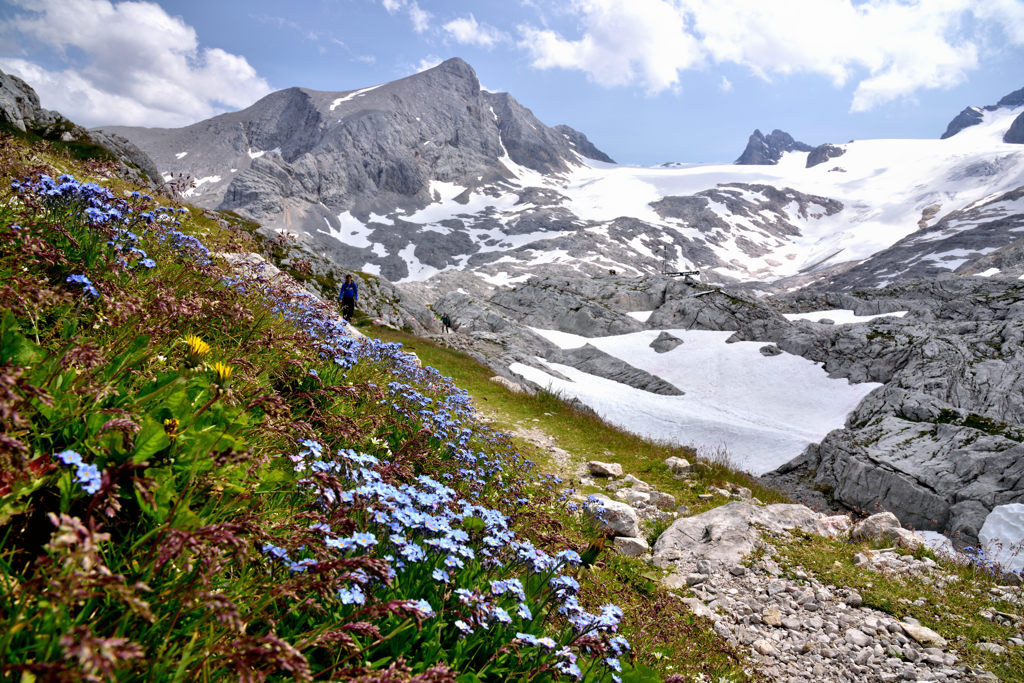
953, 611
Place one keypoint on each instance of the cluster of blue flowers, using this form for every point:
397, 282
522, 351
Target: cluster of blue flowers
86, 474
88, 289
102, 210
423, 530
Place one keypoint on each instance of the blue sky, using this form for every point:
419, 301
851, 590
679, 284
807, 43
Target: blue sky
647, 80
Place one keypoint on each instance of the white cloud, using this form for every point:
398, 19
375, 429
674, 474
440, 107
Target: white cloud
428, 62
139, 65
889, 48
725, 85
419, 17
625, 42
467, 31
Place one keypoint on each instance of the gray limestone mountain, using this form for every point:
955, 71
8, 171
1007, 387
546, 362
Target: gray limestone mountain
1015, 133
314, 162
970, 116
823, 153
983, 236
768, 149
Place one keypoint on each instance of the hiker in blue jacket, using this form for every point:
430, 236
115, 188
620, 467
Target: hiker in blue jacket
349, 295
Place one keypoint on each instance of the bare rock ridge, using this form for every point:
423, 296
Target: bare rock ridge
582, 144
768, 149
20, 109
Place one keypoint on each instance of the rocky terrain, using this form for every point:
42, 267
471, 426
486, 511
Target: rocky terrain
768, 149
939, 444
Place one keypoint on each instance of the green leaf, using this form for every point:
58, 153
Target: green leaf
15, 348
151, 440
468, 677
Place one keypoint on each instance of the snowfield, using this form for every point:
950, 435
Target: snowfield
885, 186
762, 410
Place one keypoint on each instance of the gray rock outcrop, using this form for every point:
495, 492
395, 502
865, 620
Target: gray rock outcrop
768, 149
970, 116
305, 160
724, 535
582, 144
1015, 133
823, 153
665, 342
593, 361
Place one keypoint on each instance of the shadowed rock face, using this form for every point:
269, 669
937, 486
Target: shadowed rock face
582, 145
767, 150
984, 236
823, 153
1015, 134
970, 116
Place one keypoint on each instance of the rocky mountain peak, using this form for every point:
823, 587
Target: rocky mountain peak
972, 116
1014, 99
453, 75
766, 150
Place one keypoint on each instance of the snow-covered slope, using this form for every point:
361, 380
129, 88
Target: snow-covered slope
735, 221
762, 410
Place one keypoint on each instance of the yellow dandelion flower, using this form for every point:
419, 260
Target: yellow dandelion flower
223, 372
196, 346
171, 428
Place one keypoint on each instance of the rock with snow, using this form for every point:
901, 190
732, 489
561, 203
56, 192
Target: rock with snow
970, 116
1015, 133
823, 153
1002, 537
768, 149
665, 342
593, 361
582, 144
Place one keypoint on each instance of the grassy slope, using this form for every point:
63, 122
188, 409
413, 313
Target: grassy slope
178, 561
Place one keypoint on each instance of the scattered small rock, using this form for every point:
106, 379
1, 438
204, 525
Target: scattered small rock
632, 547
604, 469
678, 465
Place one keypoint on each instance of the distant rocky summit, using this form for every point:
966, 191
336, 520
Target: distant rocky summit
767, 150
972, 116
823, 153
